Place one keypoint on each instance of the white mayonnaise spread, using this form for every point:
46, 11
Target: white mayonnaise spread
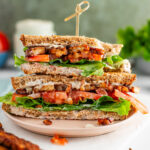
75, 84
33, 83
97, 82
117, 84
49, 45
48, 83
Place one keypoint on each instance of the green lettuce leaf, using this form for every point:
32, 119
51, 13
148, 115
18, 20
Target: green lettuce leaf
105, 103
19, 60
88, 68
25, 48
58, 61
7, 99
113, 61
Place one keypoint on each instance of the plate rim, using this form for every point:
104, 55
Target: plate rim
117, 123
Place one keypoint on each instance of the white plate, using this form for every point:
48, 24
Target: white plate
69, 128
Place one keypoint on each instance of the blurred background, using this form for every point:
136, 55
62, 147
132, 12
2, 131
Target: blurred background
102, 20
107, 20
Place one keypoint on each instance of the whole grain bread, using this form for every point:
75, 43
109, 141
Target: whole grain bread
32, 40
76, 82
37, 68
86, 114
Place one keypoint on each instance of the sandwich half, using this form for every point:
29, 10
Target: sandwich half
72, 77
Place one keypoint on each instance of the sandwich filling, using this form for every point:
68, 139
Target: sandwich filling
83, 67
76, 100
106, 101
73, 53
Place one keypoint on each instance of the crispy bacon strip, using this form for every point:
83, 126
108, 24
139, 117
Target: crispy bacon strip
47, 122
3, 148
71, 53
10, 141
59, 141
104, 121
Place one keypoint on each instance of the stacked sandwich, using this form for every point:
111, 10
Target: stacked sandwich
72, 77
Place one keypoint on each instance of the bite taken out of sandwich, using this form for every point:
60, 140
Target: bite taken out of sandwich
72, 77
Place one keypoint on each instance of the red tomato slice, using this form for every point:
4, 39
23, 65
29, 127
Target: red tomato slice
16, 95
54, 97
96, 57
38, 58
62, 97
136, 103
81, 95
101, 91
4, 43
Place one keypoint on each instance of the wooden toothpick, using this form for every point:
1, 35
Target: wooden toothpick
78, 12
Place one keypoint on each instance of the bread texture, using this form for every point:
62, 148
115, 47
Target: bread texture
31, 40
37, 68
63, 115
77, 83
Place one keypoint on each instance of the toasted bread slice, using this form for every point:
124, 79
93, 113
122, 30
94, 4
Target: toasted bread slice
60, 41
85, 114
37, 68
48, 82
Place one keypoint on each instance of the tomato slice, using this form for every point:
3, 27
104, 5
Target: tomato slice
38, 58
55, 97
96, 57
101, 91
81, 95
16, 95
59, 97
136, 103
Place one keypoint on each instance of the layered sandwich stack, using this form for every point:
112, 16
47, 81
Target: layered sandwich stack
72, 77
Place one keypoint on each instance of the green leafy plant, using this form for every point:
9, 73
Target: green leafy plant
136, 43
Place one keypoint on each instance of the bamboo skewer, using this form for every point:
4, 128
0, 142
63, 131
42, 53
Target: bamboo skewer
78, 11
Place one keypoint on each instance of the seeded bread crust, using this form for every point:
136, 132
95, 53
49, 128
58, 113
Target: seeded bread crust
31, 40
63, 115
